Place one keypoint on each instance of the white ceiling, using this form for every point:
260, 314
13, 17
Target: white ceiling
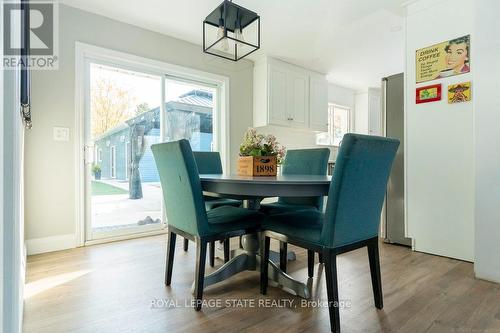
355, 42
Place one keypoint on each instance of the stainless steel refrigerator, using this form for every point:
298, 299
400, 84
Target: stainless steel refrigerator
393, 123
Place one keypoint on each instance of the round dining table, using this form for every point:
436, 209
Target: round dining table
252, 190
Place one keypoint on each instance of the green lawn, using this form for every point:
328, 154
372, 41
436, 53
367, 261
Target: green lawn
99, 188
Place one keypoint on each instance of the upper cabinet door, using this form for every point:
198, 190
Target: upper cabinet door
278, 114
318, 109
374, 112
298, 98
285, 95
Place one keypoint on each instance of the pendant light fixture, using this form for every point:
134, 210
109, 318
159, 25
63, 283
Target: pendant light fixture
238, 32
223, 31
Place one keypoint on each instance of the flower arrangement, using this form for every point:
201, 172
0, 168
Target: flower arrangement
261, 145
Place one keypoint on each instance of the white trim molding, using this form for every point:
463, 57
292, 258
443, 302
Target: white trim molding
50, 244
11, 181
84, 54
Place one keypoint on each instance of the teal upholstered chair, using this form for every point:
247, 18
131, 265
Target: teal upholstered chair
186, 212
300, 162
209, 162
352, 215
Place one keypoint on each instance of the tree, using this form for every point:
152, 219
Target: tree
139, 129
110, 105
138, 147
141, 108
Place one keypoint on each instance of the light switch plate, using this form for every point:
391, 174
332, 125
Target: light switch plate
61, 134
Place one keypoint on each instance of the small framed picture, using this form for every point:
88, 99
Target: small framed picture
428, 94
458, 93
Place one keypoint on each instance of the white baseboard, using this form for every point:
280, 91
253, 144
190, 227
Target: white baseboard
50, 244
489, 276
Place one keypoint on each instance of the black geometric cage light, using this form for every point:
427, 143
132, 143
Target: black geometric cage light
231, 31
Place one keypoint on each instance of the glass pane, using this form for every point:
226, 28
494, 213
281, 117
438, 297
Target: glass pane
340, 124
124, 123
189, 114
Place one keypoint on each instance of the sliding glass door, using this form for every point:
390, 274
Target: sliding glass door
189, 109
128, 110
124, 120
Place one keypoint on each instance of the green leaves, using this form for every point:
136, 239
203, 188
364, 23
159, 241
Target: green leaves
259, 145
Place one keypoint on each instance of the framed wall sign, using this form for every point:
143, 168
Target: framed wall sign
442, 60
428, 94
458, 93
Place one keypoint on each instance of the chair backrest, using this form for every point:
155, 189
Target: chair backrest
181, 186
358, 189
208, 162
305, 162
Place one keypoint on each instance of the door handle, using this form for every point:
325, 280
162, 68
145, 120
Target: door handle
88, 154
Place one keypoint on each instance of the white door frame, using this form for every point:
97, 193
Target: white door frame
112, 161
13, 251
85, 53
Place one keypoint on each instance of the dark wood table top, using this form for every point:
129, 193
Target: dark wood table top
242, 187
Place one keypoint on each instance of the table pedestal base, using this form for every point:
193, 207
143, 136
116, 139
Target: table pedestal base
273, 255
248, 259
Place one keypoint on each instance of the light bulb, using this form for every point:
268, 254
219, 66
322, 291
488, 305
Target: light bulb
224, 44
238, 34
220, 32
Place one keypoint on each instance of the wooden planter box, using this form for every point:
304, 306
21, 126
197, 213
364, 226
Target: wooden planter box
257, 166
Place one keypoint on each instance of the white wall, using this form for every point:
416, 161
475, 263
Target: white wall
368, 114
486, 76
50, 190
341, 95
2, 261
12, 263
439, 137
361, 113
2, 268
12, 216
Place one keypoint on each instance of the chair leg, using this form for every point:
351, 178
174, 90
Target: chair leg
373, 257
211, 253
320, 258
170, 257
264, 264
332, 289
310, 263
283, 255
201, 256
227, 250
186, 244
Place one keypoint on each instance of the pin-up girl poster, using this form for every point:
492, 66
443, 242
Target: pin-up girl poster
457, 57
443, 60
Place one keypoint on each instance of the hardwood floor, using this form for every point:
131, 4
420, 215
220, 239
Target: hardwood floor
119, 287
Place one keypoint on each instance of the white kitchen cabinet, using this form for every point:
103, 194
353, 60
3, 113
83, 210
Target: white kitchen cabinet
278, 86
368, 112
298, 99
318, 106
283, 96
374, 112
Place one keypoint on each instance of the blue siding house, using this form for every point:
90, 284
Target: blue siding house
189, 117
